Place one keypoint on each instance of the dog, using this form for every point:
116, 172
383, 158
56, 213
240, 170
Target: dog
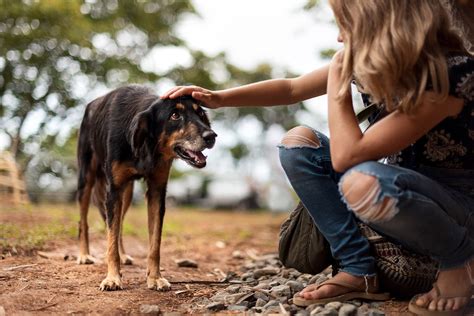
128, 134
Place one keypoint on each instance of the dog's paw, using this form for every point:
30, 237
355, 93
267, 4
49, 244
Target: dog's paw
86, 259
158, 283
111, 284
126, 260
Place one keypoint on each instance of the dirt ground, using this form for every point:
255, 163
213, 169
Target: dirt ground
39, 275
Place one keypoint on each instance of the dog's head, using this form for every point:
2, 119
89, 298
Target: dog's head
173, 128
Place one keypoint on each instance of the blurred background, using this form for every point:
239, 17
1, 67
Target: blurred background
58, 55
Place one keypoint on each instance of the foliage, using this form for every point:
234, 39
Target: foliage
56, 55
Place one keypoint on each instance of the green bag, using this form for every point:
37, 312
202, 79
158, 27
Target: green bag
401, 272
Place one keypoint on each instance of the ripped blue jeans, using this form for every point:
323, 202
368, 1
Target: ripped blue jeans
421, 214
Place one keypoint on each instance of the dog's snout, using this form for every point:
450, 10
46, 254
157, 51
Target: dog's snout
209, 137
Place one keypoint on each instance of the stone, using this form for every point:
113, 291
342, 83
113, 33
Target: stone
216, 307
272, 310
375, 312
186, 263
314, 279
326, 312
235, 288
2, 311
265, 272
281, 290
302, 313
333, 305
347, 310
260, 303
261, 295
237, 308
262, 286
314, 309
237, 254
271, 303
150, 309
295, 286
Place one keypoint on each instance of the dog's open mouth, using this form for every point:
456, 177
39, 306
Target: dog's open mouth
194, 158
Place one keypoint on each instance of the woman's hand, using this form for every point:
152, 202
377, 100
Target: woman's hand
210, 99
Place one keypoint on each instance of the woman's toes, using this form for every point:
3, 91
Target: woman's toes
459, 302
310, 295
433, 305
449, 304
423, 300
441, 305
309, 288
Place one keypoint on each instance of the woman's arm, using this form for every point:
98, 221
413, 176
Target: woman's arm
349, 146
264, 93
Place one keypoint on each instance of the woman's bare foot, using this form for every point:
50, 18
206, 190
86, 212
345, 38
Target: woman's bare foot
330, 290
450, 297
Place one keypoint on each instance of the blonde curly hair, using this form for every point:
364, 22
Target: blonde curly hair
395, 48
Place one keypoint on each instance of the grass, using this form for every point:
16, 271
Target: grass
32, 227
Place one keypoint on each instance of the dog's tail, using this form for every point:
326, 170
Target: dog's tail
84, 153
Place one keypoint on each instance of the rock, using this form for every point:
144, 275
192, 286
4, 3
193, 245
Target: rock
281, 290
149, 309
314, 279
326, 312
186, 263
220, 244
235, 288
238, 308
302, 313
347, 310
265, 272
172, 314
261, 295
272, 310
237, 254
333, 305
2, 311
375, 312
260, 303
271, 303
314, 309
215, 307
295, 286
262, 286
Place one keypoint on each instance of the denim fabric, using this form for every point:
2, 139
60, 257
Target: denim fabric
431, 217
310, 172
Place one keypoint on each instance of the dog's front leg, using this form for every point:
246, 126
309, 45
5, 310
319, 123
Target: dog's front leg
156, 212
113, 280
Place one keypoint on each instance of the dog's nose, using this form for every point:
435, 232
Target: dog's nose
209, 137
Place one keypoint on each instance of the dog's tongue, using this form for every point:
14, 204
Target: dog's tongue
197, 156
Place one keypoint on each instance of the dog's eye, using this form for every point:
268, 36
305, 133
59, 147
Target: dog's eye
175, 116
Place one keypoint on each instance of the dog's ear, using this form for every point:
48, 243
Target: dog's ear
140, 129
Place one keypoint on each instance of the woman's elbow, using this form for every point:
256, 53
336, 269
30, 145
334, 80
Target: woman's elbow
342, 161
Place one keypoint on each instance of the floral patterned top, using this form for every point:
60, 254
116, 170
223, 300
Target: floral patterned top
450, 144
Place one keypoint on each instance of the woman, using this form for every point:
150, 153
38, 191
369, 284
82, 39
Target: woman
405, 57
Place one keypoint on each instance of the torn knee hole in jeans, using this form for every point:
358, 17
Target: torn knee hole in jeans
300, 137
369, 206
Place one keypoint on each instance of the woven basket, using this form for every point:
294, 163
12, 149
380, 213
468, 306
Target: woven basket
401, 272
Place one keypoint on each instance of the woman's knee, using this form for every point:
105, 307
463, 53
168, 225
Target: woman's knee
362, 193
301, 136
293, 148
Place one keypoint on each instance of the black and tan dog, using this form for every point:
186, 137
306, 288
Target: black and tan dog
128, 134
